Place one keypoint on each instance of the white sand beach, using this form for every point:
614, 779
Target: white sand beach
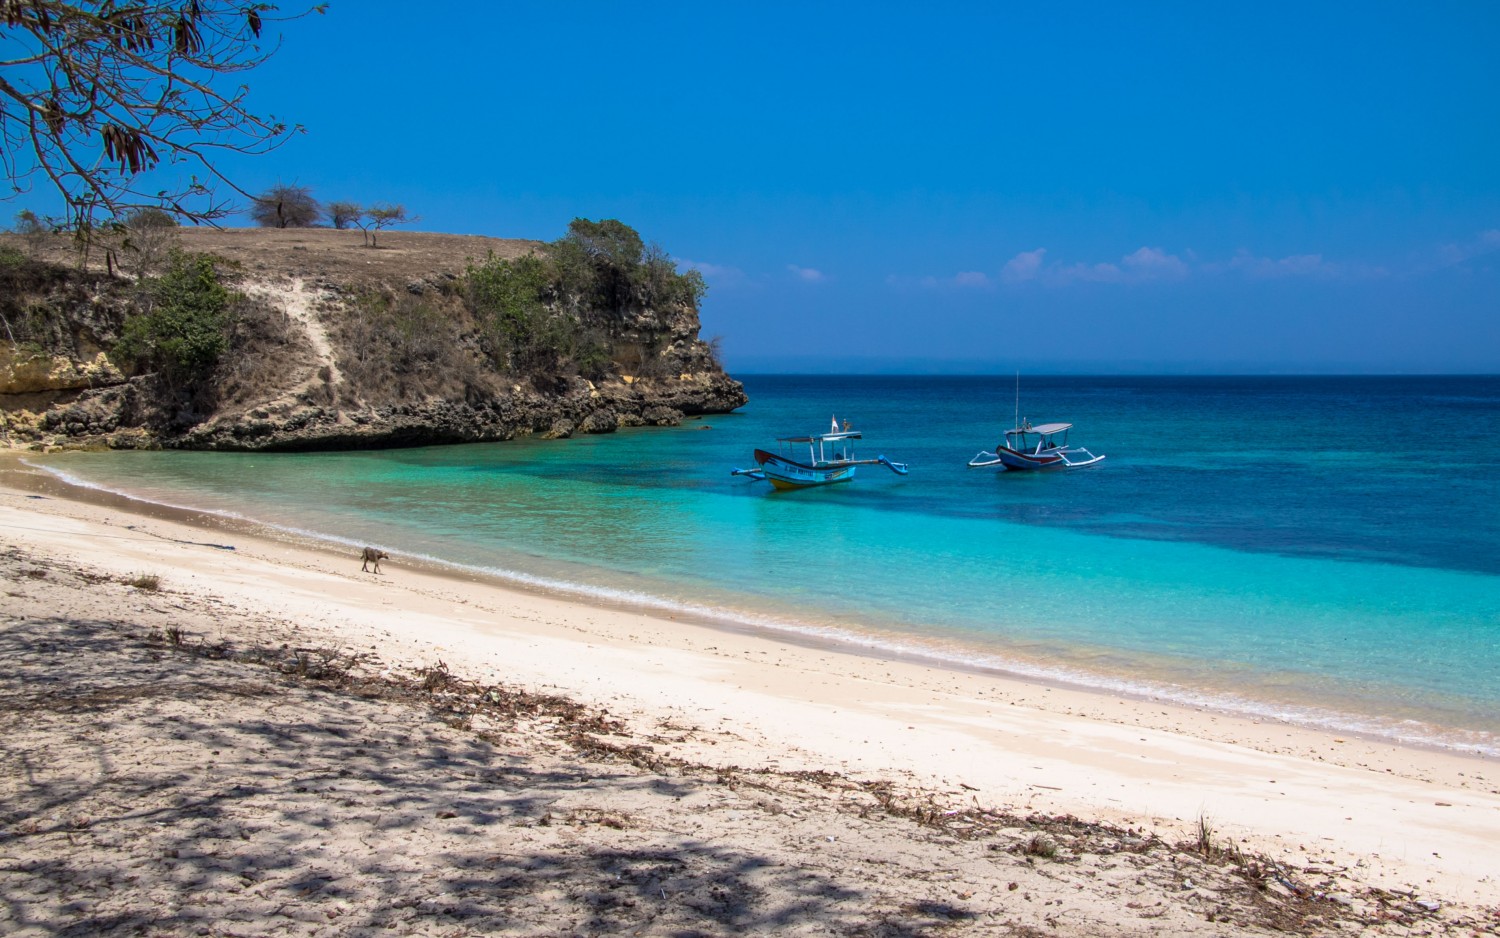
1383, 838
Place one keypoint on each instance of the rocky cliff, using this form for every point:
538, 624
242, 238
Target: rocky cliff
330, 345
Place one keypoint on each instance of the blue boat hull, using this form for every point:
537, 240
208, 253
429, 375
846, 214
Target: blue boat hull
785, 473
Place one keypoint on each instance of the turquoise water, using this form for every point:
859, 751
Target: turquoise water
1316, 549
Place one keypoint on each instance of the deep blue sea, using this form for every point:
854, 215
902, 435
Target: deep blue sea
1317, 549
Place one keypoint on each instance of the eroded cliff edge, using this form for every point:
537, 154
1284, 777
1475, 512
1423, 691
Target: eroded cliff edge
330, 344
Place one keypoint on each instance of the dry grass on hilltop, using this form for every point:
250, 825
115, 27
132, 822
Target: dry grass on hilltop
340, 257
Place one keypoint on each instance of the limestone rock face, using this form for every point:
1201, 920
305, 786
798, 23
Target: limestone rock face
31, 372
581, 409
296, 377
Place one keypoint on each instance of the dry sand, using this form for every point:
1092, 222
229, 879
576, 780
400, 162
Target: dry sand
265, 743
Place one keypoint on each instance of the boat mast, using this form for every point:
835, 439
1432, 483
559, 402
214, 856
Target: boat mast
1018, 399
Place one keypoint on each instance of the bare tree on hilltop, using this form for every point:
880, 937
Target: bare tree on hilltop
121, 106
284, 206
379, 216
342, 215
150, 234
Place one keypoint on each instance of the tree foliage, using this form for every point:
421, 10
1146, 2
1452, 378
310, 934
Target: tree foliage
149, 217
286, 206
342, 215
379, 216
567, 305
597, 260
118, 105
183, 329
606, 264
607, 243
522, 332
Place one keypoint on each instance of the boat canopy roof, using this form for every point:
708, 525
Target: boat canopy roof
841, 435
1042, 428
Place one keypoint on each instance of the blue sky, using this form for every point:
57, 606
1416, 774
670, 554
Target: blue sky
1154, 187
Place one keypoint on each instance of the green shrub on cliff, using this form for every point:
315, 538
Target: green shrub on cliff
605, 266
509, 298
183, 329
524, 330
583, 303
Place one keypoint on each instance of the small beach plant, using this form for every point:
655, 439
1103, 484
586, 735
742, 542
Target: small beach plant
1204, 840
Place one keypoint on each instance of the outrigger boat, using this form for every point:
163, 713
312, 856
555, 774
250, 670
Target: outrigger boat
830, 458
1044, 446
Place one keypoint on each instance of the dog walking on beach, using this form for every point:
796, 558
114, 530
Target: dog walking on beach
371, 555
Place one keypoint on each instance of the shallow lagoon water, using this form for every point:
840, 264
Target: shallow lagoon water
1316, 549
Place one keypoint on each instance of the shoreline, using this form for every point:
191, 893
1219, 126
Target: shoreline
1004, 665
1405, 815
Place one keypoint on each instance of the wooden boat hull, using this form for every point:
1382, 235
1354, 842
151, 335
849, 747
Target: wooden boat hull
786, 474
1051, 459
1011, 459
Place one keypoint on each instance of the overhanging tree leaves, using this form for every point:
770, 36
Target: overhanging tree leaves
121, 105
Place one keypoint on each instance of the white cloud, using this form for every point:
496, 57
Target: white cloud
1086, 273
1293, 265
1297, 265
964, 280
1023, 266
1155, 264
806, 274
1485, 242
713, 273
1144, 265
1149, 264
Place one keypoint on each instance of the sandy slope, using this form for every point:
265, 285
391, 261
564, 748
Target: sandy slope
144, 782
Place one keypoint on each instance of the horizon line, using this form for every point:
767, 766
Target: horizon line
1115, 374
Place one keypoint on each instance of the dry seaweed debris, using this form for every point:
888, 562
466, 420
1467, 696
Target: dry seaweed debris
1250, 890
